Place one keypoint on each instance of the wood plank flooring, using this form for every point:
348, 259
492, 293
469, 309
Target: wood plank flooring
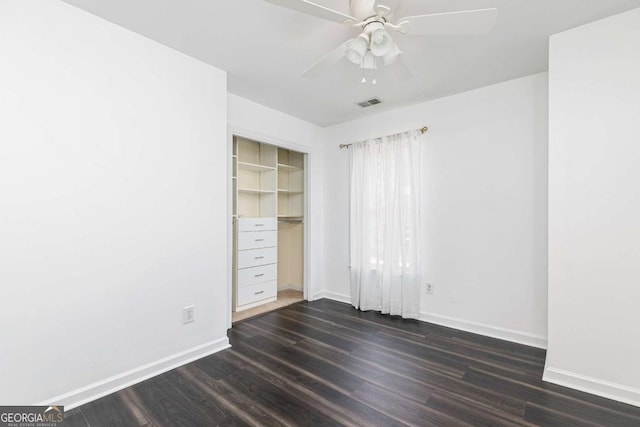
325, 363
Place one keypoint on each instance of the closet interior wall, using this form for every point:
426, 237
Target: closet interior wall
290, 219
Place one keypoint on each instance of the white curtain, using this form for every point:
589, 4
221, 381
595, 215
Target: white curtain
385, 224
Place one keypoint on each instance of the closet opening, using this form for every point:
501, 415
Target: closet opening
268, 233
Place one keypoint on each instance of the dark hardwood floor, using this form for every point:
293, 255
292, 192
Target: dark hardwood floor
324, 363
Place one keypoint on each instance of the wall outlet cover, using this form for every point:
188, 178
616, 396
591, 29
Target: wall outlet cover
188, 314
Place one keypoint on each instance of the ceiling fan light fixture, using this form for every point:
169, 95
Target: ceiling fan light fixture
357, 48
392, 56
353, 56
369, 61
381, 42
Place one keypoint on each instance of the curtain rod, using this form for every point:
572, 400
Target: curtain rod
422, 130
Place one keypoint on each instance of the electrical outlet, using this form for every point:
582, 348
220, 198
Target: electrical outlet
428, 288
188, 314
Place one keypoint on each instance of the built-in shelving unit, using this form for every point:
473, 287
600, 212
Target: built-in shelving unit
268, 213
255, 179
290, 183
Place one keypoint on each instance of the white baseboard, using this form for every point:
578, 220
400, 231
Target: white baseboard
333, 296
606, 389
526, 338
117, 382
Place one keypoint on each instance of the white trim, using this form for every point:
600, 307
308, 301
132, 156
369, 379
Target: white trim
487, 330
229, 226
267, 139
333, 296
99, 389
606, 389
307, 285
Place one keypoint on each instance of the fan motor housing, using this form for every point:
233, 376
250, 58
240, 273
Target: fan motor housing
362, 9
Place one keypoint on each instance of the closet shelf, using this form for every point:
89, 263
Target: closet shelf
296, 217
282, 190
286, 167
255, 191
254, 167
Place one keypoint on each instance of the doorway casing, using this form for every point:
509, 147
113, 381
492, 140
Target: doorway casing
307, 292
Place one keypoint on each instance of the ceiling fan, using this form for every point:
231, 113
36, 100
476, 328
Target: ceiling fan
374, 47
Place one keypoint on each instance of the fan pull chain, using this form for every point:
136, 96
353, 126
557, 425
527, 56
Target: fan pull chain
364, 71
374, 72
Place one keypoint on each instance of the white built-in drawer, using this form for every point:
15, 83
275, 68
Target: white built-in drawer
256, 257
257, 239
254, 275
257, 224
258, 292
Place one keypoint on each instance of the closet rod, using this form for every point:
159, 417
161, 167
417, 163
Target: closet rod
422, 130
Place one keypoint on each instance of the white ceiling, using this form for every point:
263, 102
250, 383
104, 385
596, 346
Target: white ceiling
264, 48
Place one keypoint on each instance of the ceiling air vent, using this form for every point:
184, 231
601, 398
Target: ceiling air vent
369, 103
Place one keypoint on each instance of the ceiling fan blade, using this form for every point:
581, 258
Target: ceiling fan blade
398, 72
327, 62
391, 4
314, 9
464, 22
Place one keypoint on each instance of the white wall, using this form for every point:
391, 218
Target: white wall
594, 208
485, 206
110, 212
253, 120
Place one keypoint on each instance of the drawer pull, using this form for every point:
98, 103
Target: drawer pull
259, 240
258, 293
259, 225
259, 257
258, 275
